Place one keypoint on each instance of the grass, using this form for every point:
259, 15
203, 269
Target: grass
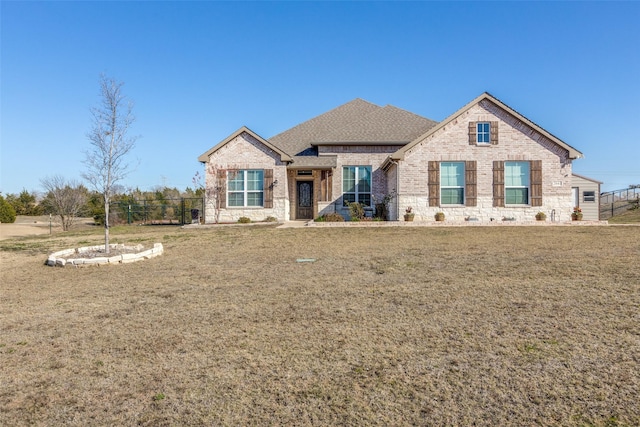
505, 326
630, 216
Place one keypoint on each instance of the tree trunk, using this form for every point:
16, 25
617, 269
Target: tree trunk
106, 225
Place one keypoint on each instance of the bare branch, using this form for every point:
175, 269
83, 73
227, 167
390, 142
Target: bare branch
65, 199
110, 144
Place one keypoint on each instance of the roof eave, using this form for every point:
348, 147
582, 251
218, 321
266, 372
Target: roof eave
398, 143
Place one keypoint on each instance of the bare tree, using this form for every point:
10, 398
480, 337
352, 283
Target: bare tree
215, 186
63, 198
110, 144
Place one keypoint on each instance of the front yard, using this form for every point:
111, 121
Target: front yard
505, 326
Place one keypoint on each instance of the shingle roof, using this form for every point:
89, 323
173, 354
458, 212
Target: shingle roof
313, 162
356, 122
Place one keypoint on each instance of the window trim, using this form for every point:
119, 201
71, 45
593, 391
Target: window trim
463, 186
245, 191
356, 191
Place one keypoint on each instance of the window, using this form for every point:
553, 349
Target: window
245, 188
516, 183
452, 177
483, 133
356, 184
589, 196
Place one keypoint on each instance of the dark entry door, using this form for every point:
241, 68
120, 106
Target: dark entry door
305, 200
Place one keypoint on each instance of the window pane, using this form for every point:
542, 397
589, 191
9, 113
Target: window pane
452, 174
349, 179
452, 196
255, 180
516, 174
517, 196
364, 199
254, 199
348, 198
236, 199
235, 180
364, 179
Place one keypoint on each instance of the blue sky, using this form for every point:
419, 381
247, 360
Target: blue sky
198, 71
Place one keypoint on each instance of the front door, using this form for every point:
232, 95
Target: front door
575, 195
305, 200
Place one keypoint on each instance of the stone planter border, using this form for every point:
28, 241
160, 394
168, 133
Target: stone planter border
64, 258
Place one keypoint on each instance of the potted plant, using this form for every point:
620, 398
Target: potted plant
541, 216
439, 216
576, 215
408, 214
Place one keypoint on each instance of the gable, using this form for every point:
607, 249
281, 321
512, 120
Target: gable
501, 111
204, 157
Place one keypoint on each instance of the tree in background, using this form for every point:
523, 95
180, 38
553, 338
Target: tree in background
7, 213
25, 203
66, 199
110, 144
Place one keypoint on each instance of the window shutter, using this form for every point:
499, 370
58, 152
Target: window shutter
470, 183
221, 188
494, 133
498, 183
268, 188
536, 183
473, 130
434, 184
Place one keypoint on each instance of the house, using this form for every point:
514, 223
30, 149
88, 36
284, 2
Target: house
585, 193
485, 162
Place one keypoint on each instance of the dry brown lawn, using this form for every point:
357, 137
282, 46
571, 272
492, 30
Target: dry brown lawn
491, 326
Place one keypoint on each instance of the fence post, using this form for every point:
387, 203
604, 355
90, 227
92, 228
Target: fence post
182, 209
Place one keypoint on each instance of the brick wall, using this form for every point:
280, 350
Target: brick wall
245, 152
370, 155
516, 142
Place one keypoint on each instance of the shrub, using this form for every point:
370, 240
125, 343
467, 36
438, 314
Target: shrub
7, 212
271, 219
541, 216
356, 211
332, 217
244, 220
